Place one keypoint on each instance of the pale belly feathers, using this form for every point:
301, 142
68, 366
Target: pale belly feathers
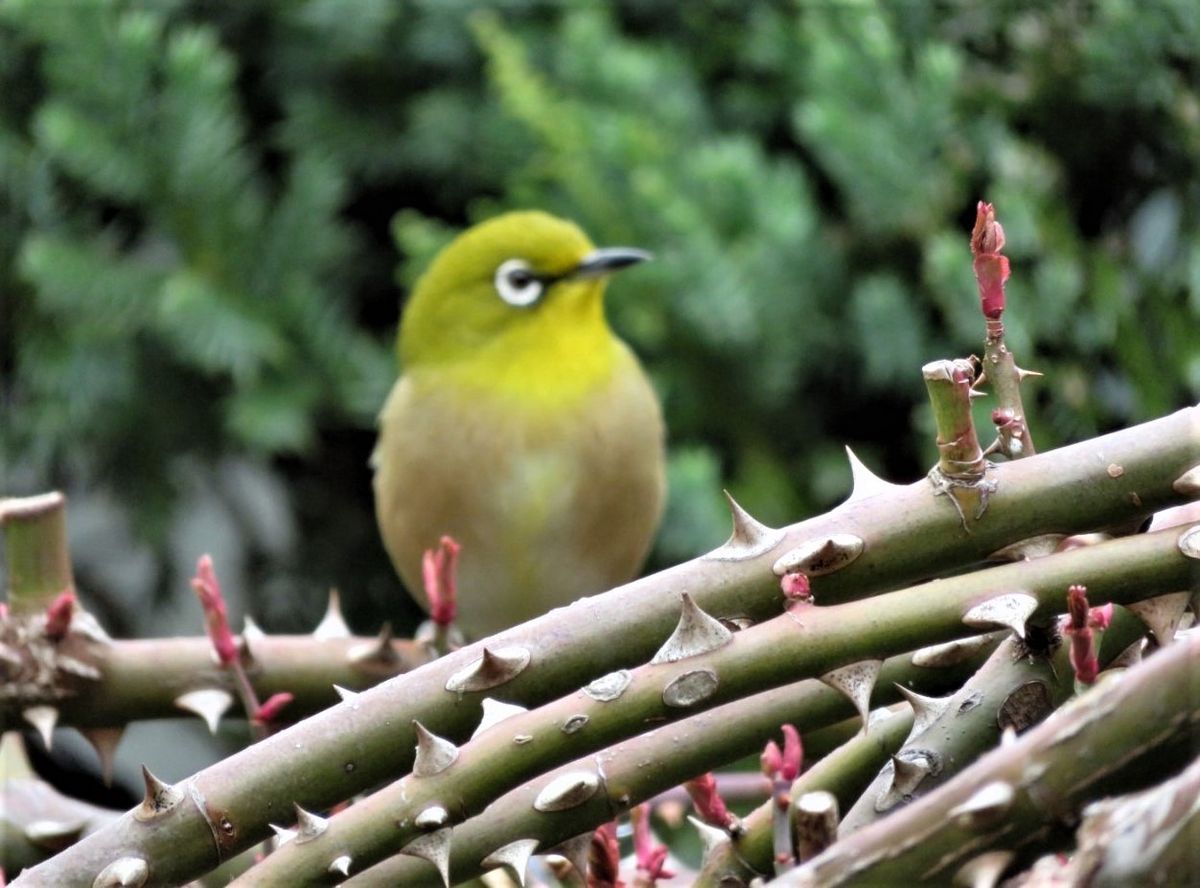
546, 511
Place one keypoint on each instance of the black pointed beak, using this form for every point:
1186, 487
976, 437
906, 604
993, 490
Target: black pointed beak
606, 260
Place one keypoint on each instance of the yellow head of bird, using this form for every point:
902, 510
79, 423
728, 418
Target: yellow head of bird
507, 289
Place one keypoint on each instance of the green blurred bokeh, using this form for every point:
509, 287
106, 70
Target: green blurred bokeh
210, 213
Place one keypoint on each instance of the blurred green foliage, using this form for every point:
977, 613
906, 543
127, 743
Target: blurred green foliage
209, 214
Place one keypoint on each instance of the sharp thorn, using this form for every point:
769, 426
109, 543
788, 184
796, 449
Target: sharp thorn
750, 537
159, 798
820, 555
489, 670
208, 703
514, 857
926, 710
494, 712
346, 695
333, 624
434, 847
43, 719
1161, 614
251, 631
434, 754
308, 825
856, 681
711, 838
864, 482
1009, 611
907, 775
105, 742
696, 633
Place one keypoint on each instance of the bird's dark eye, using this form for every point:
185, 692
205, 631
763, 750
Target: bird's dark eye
517, 284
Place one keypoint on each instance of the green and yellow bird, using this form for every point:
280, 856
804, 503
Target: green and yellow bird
521, 425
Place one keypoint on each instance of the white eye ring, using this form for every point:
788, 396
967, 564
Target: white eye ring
517, 284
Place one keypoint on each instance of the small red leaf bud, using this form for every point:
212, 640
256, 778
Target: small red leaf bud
216, 619
1078, 625
59, 613
793, 753
991, 268
269, 711
771, 760
439, 570
708, 802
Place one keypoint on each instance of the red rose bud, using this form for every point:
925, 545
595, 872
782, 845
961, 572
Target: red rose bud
991, 268
708, 802
439, 569
216, 620
58, 615
269, 711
